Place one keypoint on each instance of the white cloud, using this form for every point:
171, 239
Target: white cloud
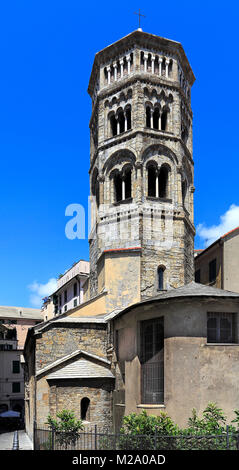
41, 290
228, 221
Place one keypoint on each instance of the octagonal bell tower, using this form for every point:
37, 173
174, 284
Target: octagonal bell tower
141, 168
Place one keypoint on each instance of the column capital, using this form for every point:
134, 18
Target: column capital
146, 55
121, 61
152, 57
128, 58
101, 178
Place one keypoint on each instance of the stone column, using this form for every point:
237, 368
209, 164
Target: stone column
138, 191
153, 59
145, 61
101, 180
151, 119
115, 71
160, 66
125, 122
108, 71
118, 124
128, 58
121, 68
179, 179
157, 184
123, 189
167, 64
160, 122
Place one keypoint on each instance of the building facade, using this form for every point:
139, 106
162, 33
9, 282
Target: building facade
69, 293
14, 324
217, 265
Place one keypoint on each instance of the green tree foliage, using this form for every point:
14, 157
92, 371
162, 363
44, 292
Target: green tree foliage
209, 431
66, 427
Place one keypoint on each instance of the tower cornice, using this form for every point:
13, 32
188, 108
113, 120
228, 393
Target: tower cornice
143, 40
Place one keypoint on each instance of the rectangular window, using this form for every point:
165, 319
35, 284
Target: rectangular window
15, 367
65, 296
212, 270
198, 276
16, 388
59, 300
221, 327
75, 289
152, 361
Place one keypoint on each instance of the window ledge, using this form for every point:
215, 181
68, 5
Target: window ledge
151, 406
123, 201
222, 344
163, 199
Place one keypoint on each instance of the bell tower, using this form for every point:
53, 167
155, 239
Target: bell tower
141, 168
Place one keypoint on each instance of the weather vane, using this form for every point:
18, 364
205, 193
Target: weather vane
138, 13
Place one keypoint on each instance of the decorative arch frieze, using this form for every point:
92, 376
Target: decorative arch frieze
158, 150
118, 159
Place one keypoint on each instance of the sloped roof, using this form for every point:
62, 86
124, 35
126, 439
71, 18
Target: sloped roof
228, 235
20, 312
81, 369
194, 289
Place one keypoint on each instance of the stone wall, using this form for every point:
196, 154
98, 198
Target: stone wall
68, 395
57, 342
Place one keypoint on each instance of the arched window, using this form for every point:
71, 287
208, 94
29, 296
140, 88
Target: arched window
160, 275
164, 119
121, 119
118, 187
122, 184
128, 118
127, 182
85, 409
156, 118
148, 116
113, 125
151, 181
163, 182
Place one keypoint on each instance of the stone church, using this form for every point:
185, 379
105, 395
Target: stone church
146, 337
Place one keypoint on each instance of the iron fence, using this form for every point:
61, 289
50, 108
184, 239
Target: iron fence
96, 439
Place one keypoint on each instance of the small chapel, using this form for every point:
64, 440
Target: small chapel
146, 336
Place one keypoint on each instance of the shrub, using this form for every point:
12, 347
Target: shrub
66, 427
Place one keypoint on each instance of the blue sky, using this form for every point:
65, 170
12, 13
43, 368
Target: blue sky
47, 50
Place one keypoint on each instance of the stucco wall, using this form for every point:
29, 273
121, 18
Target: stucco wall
194, 372
231, 263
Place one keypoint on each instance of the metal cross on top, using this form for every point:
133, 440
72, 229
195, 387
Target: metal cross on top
138, 13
